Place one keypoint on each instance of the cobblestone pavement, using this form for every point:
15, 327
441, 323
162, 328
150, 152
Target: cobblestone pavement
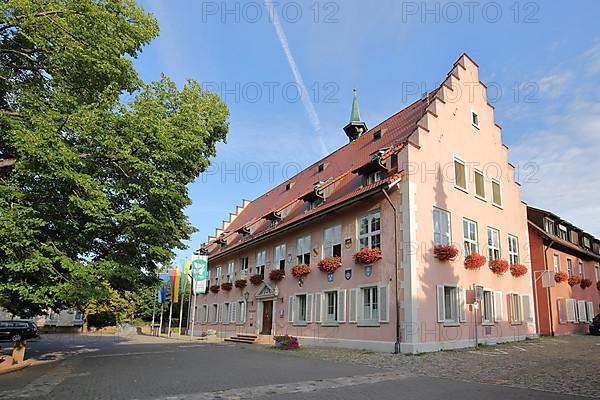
567, 364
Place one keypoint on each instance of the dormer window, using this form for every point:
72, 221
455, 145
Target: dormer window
562, 232
377, 135
289, 185
549, 226
475, 119
374, 177
586, 242
574, 237
316, 203
321, 168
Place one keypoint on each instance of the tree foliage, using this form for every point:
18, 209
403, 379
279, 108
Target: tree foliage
92, 186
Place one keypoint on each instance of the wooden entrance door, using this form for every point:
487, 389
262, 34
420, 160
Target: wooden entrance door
267, 318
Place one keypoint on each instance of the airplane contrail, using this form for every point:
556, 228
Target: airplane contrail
306, 102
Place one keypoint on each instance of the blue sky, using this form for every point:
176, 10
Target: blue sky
544, 56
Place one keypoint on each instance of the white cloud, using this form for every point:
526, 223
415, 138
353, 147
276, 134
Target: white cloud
565, 149
554, 85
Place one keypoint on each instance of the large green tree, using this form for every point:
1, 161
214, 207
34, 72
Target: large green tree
94, 163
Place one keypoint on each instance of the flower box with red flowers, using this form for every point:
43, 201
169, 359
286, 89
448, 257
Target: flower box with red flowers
226, 286
256, 279
445, 252
498, 266
574, 280
518, 270
585, 283
286, 342
560, 276
215, 288
240, 283
474, 261
300, 270
330, 264
367, 256
276, 275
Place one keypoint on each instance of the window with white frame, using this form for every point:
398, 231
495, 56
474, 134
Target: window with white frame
374, 177
230, 271
218, 275
562, 232
596, 248
303, 250
556, 259
226, 313
209, 276
448, 303
597, 268
493, 244
279, 257
370, 304
479, 184
574, 236
441, 226
214, 310
460, 174
332, 245
514, 303
369, 230
300, 313
331, 306
496, 192
474, 119
581, 270
470, 237
487, 312
240, 317
549, 226
244, 266
586, 242
513, 250
569, 267
261, 261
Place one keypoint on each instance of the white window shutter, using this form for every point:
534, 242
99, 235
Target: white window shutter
243, 312
352, 297
498, 306
318, 307
590, 311
233, 312
440, 304
570, 310
220, 312
259, 311
462, 304
526, 307
309, 307
384, 304
581, 305
341, 298
510, 306
562, 308
291, 309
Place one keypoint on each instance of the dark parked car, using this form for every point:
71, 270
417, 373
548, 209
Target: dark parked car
595, 326
18, 330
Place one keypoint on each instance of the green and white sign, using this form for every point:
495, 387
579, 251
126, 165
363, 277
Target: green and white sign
200, 274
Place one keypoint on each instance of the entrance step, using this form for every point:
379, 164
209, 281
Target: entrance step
242, 338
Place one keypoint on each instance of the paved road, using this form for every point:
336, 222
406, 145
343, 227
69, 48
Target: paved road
156, 369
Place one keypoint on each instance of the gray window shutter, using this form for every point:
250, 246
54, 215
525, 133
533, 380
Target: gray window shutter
341, 298
318, 307
352, 298
581, 305
309, 306
384, 304
233, 312
510, 306
243, 312
590, 311
220, 312
462, 304
571, 317
440, 304
561, 306
291, 309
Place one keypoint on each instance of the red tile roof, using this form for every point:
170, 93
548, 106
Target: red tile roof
338, 166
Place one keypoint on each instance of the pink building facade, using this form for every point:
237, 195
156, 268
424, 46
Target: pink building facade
434, 174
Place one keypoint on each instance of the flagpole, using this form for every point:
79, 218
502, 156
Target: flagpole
193, 313
154, 310
161, 319
181, 311
170, 316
